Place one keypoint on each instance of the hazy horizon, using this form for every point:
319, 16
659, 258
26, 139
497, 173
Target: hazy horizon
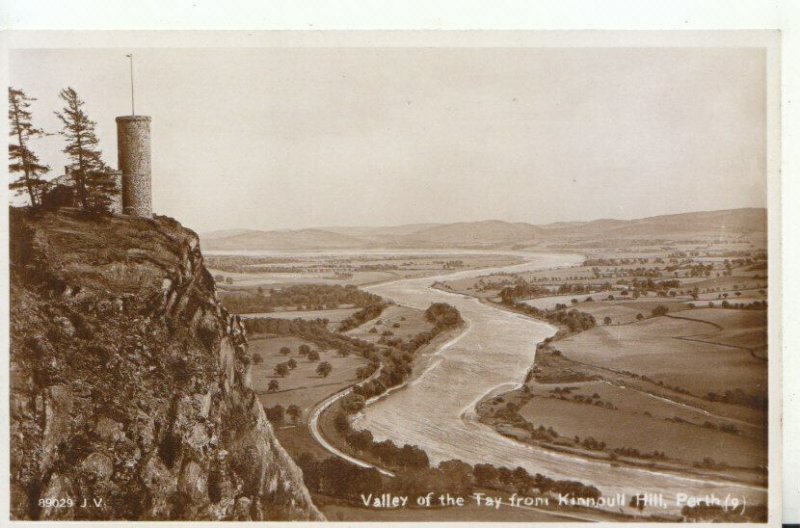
293, 138
369, 226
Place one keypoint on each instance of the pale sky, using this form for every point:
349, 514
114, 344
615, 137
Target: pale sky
275, 138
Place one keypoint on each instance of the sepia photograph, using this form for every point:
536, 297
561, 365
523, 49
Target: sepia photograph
393, 277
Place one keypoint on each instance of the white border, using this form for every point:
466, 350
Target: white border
465, 14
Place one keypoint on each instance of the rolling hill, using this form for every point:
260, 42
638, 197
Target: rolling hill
383, 231
721, 223
493, 233
490, 233
285, 239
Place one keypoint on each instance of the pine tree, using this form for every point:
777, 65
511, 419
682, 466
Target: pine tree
89, 173
22, 158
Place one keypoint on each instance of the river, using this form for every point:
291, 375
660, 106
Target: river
436, 410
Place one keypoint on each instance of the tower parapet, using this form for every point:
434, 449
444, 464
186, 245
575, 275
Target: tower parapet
133, 153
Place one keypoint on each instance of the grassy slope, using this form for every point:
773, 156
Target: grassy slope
653, 348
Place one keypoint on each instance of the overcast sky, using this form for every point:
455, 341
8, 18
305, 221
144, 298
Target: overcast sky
274, 138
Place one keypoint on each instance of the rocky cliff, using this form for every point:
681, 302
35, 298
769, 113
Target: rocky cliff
129, 393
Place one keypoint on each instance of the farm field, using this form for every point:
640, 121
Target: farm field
401, 321
619, 311
716, 303
549, 303
654, 348
740, 328
743, 282
601, 273
236, 271
302, 386
640, 421
746, 296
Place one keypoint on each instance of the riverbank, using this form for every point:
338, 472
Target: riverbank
498, 410
322, 422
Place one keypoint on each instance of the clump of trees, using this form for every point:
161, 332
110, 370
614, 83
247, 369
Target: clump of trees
275, 414
294, 412
92, 181
522, 290
352, 403
739, 397
90, 174
362, 316
574, 320
335, 477
660, 310
22, 160
443, 315
324, 369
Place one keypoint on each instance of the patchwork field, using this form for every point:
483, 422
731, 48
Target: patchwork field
401, 321
618, 311
740, 328
236, 271
637, 420
656, 348
302, 386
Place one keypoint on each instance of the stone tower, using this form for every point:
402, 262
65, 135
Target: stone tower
133, 153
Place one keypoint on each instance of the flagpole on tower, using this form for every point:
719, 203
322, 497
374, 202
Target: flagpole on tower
133, 108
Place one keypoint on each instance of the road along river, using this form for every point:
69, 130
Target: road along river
436, 410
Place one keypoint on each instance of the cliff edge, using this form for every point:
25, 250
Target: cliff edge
129, 382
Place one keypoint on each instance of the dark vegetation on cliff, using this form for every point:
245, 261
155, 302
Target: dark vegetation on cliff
128, 381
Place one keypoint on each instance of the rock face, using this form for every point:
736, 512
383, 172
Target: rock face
128, 381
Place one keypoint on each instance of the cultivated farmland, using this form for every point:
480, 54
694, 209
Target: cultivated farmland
663, 349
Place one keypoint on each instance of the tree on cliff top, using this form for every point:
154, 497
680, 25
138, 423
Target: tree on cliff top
93, 183
22, 158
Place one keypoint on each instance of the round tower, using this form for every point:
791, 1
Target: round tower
133, 154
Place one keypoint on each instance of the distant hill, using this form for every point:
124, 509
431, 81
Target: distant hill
286, 239
225, 233
720, 223
361, 231
473, 234
493, 233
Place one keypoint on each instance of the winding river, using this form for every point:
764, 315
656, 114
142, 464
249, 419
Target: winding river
436, 410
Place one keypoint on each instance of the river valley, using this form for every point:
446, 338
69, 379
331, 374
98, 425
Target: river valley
436, 410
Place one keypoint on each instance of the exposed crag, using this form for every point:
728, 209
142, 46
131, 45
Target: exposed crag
129, 382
